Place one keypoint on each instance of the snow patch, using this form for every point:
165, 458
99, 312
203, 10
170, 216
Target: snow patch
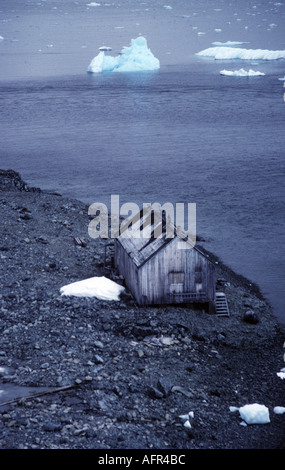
225, 53
241, 73
100, 287
135, 58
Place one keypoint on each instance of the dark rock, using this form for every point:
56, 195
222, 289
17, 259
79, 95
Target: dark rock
155, 393
52, 427
142, 331
98, 359
164, 386
250, 317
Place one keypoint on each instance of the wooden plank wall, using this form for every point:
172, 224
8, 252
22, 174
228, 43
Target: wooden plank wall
151, 283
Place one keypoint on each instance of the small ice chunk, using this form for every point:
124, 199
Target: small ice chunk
187, 416
254, 414
99, 287
187, 424
93, 4
279, 410
1, 38
281, 375
167, 7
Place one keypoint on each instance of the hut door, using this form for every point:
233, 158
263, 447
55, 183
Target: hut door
176, 283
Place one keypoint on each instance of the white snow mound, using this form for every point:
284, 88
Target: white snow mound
135, 58
241, 73
99, 287
225, 53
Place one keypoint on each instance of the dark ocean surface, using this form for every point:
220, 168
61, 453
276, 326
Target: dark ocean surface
182, 134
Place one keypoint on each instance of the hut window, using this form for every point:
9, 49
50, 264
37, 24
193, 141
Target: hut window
176, 282
198, 277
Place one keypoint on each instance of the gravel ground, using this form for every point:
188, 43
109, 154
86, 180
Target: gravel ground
79, 373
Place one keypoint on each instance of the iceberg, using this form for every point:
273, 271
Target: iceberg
100, 287
225, 53
241, 73
135, 58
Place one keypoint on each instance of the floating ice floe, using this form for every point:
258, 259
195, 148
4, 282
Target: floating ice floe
253, 414
225, 53
100, 287
105, 48
282, 79
135, 58
241, 73
228, 43
1, 38
93, 4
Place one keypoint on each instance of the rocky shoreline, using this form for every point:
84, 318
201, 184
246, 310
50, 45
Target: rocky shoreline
83, 373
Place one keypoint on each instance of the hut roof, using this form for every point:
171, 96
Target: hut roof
150, 232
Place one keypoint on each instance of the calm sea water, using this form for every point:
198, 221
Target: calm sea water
182, 134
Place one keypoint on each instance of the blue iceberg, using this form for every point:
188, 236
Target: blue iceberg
135, 58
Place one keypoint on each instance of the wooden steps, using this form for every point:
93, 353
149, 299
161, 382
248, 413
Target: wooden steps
222, 307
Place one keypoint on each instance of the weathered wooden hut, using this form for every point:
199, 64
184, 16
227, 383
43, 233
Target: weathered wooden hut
162, 269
